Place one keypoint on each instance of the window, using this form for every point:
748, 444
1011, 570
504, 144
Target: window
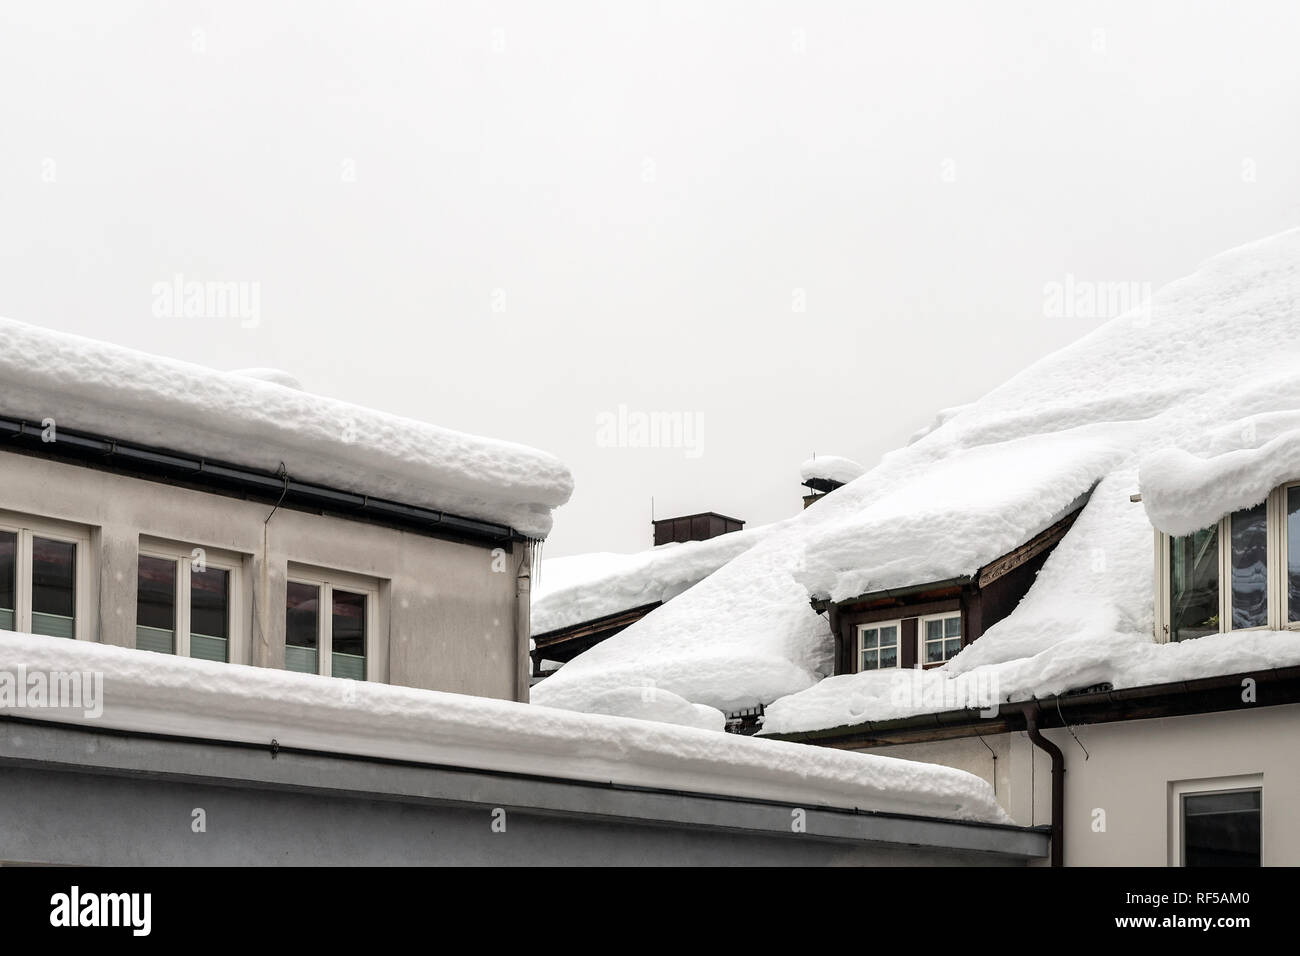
1194, 583
878, 645
185, 599
43, 565
329, 623
940, 638
1218, 822
1248, 566
1243, 572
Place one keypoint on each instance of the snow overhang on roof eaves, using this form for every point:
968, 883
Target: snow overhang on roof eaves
99, 451
157, 402
1049, 537
1085, 706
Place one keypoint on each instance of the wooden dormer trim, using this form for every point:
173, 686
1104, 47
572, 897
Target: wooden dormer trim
1043, 541
983, 598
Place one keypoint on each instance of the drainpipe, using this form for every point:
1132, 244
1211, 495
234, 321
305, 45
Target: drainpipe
523, 622
1058, 783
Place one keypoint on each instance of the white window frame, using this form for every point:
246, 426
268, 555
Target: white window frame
920, 637
327, 581
1282, 555
897, 624
185, 555
1180, 788
1275, 549
27, 527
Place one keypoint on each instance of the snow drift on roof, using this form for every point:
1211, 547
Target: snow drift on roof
583, 587
1209, 349
831, 467
1227, 470
160, 693
97, 387
1119, 659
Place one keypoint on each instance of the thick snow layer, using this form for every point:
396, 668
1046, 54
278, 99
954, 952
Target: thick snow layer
159, 693
278, 376
1233, 468
940, 418
964, 511
96, 387
1210, 350
832, 468
583, 587
651, 703
1119, 659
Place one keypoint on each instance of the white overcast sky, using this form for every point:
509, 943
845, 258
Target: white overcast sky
643, 187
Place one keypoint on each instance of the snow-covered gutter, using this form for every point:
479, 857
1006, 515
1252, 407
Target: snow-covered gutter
1090, 706
223, 476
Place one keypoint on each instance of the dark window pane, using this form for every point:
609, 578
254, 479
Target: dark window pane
349, 625
301, 626
1221, 829
1293, 553
8, 579
155, 604
1250, 567
156, 593
53, 587
209, 602
209, 614
1194, 585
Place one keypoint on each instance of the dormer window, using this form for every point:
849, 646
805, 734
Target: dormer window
1239, 574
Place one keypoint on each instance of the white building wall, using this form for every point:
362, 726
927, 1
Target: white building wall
1119, 803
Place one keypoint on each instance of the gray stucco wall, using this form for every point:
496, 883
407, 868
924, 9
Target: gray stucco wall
447, 617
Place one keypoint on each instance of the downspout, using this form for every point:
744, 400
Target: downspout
523, 622
1058, 783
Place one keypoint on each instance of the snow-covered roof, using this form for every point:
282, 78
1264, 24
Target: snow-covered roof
257, 419
831, 468
1211, 363
1229, 468
583, 587
159, 693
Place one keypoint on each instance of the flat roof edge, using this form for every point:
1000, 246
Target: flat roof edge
62, 747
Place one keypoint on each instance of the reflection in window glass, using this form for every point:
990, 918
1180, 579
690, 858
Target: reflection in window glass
8, 579
155, 604
302, 627
1221, 829
1194, 585
1250, 567
1293, 553
53, 587
348, 636
942, 639
879, 645
209, 614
